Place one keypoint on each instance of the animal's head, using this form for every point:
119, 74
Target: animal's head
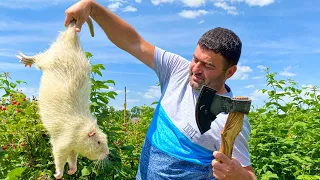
94, 143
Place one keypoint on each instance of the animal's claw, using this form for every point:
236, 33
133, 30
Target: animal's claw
58, 175
26, 60
72, 171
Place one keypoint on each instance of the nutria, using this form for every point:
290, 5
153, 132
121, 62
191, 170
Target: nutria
64, 101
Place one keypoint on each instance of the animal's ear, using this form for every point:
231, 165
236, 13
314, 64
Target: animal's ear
91, 133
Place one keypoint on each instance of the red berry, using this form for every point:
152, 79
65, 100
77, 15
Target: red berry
14, 102
19, 110
24, 99
4, 108
22, 144
4, 148
18, 103
10, 95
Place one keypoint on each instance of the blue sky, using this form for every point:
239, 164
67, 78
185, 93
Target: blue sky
281, 34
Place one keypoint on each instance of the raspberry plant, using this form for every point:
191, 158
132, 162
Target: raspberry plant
284, 142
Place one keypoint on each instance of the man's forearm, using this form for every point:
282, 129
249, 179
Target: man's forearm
118, 31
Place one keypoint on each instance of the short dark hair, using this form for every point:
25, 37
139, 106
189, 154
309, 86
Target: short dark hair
223, 41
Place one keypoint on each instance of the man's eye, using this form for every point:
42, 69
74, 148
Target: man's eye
209, 66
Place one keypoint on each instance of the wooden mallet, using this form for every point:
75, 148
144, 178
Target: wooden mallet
210, 104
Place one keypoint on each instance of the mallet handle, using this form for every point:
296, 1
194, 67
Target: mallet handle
230, 131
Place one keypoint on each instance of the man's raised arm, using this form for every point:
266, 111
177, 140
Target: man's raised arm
117, 30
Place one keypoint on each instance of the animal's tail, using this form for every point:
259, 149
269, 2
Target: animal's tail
89, 22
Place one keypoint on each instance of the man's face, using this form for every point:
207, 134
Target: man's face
208, 68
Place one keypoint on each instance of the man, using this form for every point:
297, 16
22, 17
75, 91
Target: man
174, 148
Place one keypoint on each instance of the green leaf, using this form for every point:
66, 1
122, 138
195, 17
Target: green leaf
6, 82
112, 94
99, 72
128, 148
85, 171
19, 82
13, 85
281, 82
103, 99
111, 82
15, 173
155, 102
95, 104
88, 55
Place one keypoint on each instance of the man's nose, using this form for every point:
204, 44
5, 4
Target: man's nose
198, 67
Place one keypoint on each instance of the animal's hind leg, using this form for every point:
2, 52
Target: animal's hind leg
60, 159
26, 60
72, 161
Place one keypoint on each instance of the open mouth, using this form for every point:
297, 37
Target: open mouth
196, 78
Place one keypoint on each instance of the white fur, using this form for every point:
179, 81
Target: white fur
64, 105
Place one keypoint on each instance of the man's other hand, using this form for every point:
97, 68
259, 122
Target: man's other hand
228, 169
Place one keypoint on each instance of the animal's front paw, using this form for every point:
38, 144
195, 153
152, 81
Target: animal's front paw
26, 60
72, 171
58, 175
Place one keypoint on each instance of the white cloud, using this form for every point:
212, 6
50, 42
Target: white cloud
31, 4
115, 58
258, 77
129, 9
12, 25
126, 73
152, 93
241, 73
20, 39
200, 22
122, 1
310, 89
7, 52
258, 98
114, 6
6, 66
249, 86
286, 72
230, 9
132, 100
138, 1
29, 91
193, 3
257, 2
157, 2
261, 67
192, 14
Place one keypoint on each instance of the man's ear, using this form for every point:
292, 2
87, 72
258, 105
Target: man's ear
230, 71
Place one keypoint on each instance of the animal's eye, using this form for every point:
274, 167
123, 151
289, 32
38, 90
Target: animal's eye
98, 142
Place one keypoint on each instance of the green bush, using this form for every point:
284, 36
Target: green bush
25, 149
285, 138
284, 142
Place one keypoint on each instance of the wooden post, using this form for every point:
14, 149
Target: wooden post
125, 107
